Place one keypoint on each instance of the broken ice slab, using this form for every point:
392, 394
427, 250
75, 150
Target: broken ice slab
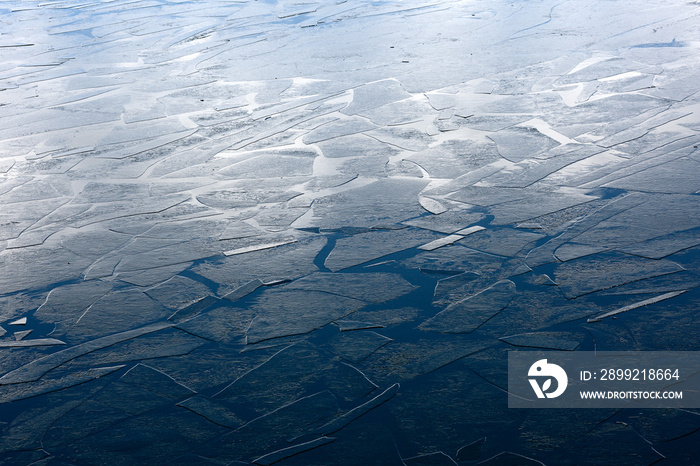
276, 428
156, 382
535, 278
223, 324
486, 122
431, 205
517, 144
15, 218
364, 247
356, 145
237, 230
607, 270
282, 377
169, 258
65, 304
605, 67
454, 259
348, 383
132, 150
21, 321
348, 325
556, 166
662, 246
455, 157
640, 129
212, 411
406, 360
356, 346
438, 243
33, 237
105, 261
35, 268
488, 195
430, 459
659, 139
36, 369
178, 292
502, 242
270, 165
654, 216
412, 110
642, 160
641, 107
208, 366
338, 128
279, 130
367, 206
446, 222
38, 190
6, 165
21, 343
164, 344
368, 168
261, 246
442, 100
269, 110
677, 176
372, 287
658, 285
16, 392
538, 204
117, 312
544, 340
470, 313
122, 209
637, 305
150, 277
100, 192
188, 229
375, 95
358, 411
544, 254
570, 174
279, 455
85, 419
286, 313
279, 217
246, 289
249, 193
539, 308
46, 120
289, 261
472, 451
378, 318
406, 137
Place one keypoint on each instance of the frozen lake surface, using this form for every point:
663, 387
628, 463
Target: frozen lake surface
308, 233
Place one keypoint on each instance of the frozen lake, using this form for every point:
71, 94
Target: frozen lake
308, 233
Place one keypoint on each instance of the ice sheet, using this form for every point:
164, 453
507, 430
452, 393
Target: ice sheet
468, 314
286, 313
364, 247
230, 226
